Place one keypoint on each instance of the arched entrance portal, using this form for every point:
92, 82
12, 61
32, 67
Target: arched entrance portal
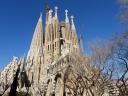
59, 85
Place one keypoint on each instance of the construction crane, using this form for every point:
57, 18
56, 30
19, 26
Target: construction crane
47, 8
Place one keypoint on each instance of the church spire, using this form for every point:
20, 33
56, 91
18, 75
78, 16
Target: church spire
56, 12
74, 35
50, 17
40, 19
37, 40
66, 15
67, 26
72, 23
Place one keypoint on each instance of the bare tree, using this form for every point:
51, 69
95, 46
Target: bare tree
120, 59
100, 59
85, 77
76, 79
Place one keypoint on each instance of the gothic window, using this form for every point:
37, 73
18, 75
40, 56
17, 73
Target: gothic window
48, 71
58, 31
53, 47
53, 35
59, 88
68, 59
55, 44
55, 32
48, 47
69, 45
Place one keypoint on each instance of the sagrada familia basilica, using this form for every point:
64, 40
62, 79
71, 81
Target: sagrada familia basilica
48, 56
52, 51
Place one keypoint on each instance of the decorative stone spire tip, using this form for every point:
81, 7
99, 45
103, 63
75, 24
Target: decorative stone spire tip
72, 23
40, 16
56, 10
66, 14
50, 16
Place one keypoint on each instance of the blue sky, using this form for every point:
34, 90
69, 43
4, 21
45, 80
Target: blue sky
18, 18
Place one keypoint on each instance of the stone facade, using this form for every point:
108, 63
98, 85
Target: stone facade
50, 45
50, 55
47, 57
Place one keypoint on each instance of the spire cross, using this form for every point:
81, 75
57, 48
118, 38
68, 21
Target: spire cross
56, 9
66, 14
